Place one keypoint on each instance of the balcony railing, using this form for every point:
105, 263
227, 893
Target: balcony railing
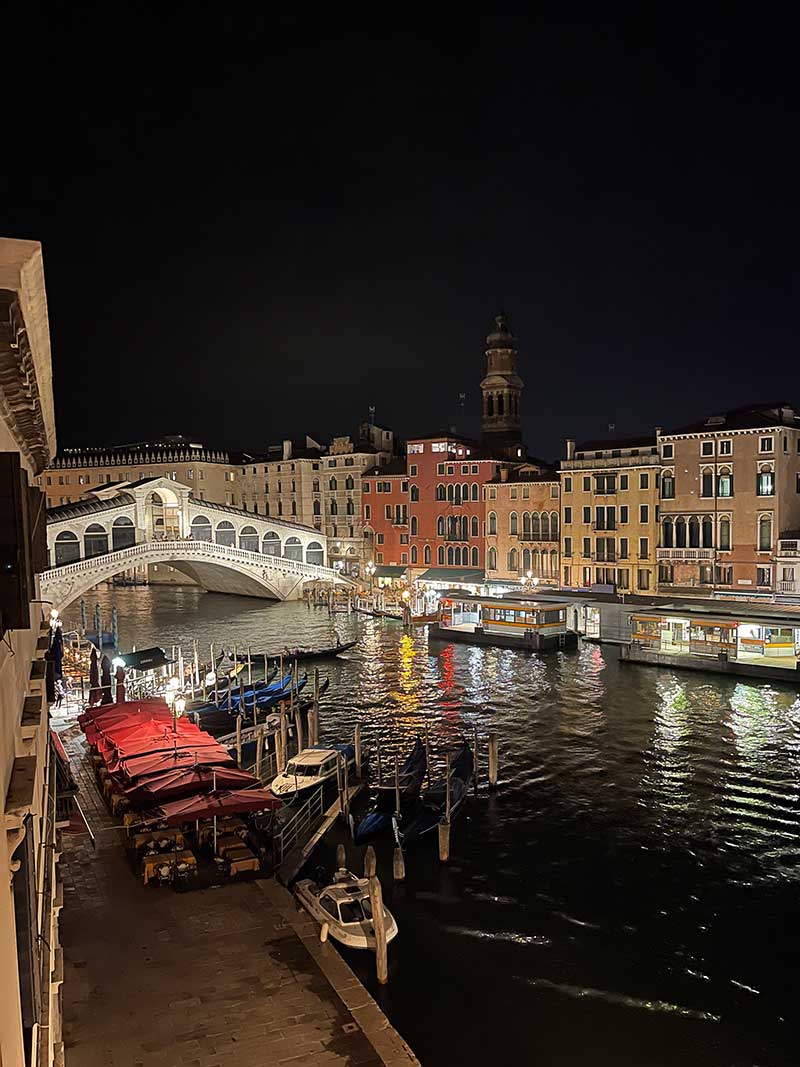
788, 587
788, 548
611, 462
685, 553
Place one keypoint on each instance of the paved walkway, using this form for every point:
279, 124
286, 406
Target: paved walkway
231, 975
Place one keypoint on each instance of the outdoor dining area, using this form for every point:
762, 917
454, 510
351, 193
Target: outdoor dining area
190, 815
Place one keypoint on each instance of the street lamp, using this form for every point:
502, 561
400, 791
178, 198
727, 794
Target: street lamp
370, 574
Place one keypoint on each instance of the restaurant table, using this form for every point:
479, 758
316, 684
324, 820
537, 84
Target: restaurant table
226, 842
175, 837
150, 864
228, 825
242, 859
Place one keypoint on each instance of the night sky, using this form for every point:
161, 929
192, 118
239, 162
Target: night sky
256, 227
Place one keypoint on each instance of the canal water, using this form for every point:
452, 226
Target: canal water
630, 894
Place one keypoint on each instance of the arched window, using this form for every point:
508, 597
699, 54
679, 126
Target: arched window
315, 485
667, 540
553, 563
440, 556
680, 532
95, 540
474, 556
450, 493
316, 507
426, 555
315, 553
225, 534
465, 492
441, 492
526, 526
201, 528
535, 527
512, 559
413, 553
332, 485
449, 555
464, 528
500, 405
707, 532
553, 525
526, 560
475, 526
725, 533
456, 493
440, 526
293, 549
535, 561
413, 525
474, 490
512, 523
68, 548
248, 539
123, 533
414, 494
545, 564
348, 482
491, 559
492, 522
457, 556
334, 507
271, 544
351, 508
545, 526
694, 532
764, 533
490, 412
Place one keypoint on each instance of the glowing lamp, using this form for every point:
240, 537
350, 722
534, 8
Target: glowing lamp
180, 705
117, 662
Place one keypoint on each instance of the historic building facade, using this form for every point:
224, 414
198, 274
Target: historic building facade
730, 488
31, 965
523, 523
609, 514
384, 492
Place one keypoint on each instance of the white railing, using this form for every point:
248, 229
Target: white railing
299, 827
685, 553
787, 587
180, 550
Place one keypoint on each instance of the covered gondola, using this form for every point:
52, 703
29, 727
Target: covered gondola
433, 805
383, 812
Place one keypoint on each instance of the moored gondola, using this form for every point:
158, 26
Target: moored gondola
433, 805
383, 812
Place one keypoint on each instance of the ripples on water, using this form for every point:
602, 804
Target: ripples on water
628, 895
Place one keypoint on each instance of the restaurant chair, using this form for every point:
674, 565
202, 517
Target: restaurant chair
164, 874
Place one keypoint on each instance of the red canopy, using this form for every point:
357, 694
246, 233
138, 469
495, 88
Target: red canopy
187, 782
119, 726
125, 708
205, 806
149, 738
136, 768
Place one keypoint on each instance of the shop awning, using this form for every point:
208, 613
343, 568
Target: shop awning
389, 571
147, 659
454, 575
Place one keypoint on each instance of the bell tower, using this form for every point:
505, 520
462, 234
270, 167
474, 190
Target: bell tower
501, 389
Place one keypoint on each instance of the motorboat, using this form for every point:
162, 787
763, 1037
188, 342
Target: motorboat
344, 907
310, 768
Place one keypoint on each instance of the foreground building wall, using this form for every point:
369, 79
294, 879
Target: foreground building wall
523, 519
30, 967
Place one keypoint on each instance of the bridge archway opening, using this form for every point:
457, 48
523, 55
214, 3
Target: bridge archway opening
67, 548
271, 544
248, 539
95, 540
163, 514
225, 534
123, 533
315, 553
293, 549
201, 528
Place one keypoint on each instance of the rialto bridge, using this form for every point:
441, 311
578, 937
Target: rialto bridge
223, 549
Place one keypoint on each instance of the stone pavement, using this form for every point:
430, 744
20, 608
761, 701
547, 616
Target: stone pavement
207, 978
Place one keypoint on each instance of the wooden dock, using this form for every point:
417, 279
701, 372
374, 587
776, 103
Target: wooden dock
295, 860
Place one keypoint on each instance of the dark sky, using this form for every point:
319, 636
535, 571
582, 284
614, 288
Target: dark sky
257, 226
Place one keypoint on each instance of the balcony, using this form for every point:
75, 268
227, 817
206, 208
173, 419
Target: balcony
649, 459
789, 587
788, 548
684, 554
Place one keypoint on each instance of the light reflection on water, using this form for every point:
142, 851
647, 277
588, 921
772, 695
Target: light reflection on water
643, 848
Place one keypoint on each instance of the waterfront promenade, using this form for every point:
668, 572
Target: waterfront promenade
206, 978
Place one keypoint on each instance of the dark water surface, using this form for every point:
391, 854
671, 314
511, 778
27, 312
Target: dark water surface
630, 893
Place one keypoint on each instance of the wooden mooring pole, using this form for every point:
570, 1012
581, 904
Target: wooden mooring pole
493, 760
475, 762
379, 926
357, 745
239, 740
259, 753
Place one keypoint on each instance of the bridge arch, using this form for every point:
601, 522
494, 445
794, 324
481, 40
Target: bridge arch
201, 528
67, 548
225, 533
271, 544
123, 533
293, 549
95, 540
315, 553
248, 539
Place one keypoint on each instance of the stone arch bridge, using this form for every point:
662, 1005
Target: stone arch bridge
224, 549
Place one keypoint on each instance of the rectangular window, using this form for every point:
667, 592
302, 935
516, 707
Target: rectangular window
379, 538
366, 487
707, 483
587, 546
513, 492
415, 449
492, 492
568, 511
623, 514
526, 492
765, 483
667, 451
440, 468
605, 484
567, 484
706, 448
412, 470
725, 485
465, 468
667, 486
388, 511
404, 557
764, 576
367, 511
403, 539
643, 578
567, 546
623, 548
379, 557
623, 481
644, 480
622, 578
587, 514
451, 470
587, 484
553, 490
644, 513
644, 548
725, 448
797, 483
765, 444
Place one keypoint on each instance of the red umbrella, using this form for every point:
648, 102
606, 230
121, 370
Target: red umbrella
207, 805
186, 782
136, 768
115, 728
94, 679
107, 711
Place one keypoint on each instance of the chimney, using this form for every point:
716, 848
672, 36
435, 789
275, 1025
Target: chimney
287, 449
659, 431
504, 474
570, 447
